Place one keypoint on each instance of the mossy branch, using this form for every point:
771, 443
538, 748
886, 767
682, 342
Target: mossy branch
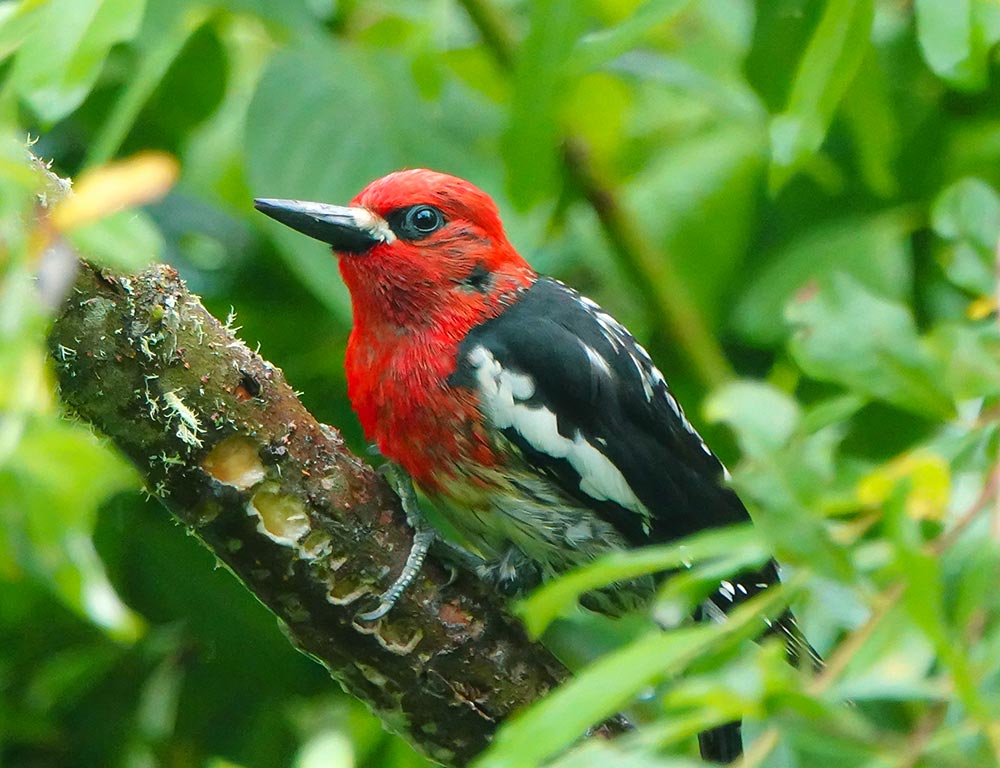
310, 529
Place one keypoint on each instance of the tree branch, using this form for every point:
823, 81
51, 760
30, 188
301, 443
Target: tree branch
311, 530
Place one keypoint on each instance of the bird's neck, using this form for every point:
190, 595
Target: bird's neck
399, 303
401, 352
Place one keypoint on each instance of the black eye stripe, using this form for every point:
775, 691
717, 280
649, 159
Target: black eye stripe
415, 222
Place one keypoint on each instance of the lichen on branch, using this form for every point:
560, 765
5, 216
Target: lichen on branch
310, 529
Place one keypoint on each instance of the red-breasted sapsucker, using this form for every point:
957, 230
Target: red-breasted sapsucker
531, 418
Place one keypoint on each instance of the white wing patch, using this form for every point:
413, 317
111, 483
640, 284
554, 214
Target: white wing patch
502, 395
596, 361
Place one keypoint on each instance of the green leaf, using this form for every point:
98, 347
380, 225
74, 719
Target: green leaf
601, 46
785, 495
165, 41
969, 210
828, 66
873, 250
17, 21
967, 214
781, 32
611, 683
764, 418
59, 62
970, 358
848, 335
894, 663
49, 493
557, 597
595, 753
711, 176
531, 142
599, 692
874, 128
955, 39
127, 240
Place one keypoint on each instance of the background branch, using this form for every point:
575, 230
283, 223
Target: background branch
652, 271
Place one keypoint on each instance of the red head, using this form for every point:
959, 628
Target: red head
418, 249
426, 259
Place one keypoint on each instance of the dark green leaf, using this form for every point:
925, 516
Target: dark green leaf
870, 117
49, 493
873, 250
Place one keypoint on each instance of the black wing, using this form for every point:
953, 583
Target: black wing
597, 389
602, 387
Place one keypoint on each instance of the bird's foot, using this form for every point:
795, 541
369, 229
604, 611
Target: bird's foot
423, 537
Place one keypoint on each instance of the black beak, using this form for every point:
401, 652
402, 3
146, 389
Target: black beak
348, 230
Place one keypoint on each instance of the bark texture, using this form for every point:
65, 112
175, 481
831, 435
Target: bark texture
310, 529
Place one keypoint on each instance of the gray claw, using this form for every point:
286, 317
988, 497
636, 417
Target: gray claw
422, 540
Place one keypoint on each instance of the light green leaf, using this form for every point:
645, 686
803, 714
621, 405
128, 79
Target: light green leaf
59, 62
611, 683
711, 176
944, 29
557, 597
784, 495
595, 753
836, 410
17, 21
955, 38
763, 418
848, 335
893, 663
601, 46
562, 717
970, 357
967, 214
828, 66
127, 240
969, 209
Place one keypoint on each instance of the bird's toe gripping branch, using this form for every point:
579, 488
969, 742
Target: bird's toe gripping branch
423, 537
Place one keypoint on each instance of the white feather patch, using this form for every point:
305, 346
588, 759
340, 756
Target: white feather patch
502, 393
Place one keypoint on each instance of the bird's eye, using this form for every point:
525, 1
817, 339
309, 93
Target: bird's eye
417, 222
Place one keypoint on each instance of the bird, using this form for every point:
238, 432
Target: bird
533, 421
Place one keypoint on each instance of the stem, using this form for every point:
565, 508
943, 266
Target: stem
652, 271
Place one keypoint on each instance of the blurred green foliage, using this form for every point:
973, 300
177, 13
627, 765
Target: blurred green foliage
821, 178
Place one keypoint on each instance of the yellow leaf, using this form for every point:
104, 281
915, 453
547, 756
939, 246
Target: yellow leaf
929, 479
981, 308
110, 188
